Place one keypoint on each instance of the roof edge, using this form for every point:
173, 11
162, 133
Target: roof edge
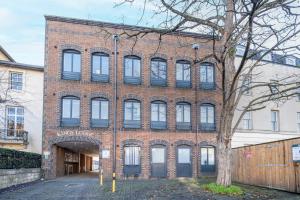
22, 65
6, 54
122, 26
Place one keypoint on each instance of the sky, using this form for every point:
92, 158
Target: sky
22, 22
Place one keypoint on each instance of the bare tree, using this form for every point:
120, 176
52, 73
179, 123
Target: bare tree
260, 27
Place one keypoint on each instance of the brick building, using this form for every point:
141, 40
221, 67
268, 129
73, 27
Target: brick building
167, 111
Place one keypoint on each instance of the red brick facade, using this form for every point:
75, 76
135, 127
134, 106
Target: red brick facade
88, 37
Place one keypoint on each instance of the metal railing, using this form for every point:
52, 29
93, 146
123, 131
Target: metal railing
12, 134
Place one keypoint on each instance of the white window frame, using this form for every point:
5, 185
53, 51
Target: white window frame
16, 84
240, 50
267, 57
247, 122
132, 155
275, 124
16, 115
290, 61
298, 122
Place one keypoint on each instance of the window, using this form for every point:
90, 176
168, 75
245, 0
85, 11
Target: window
16, 81
132, 114
184, 155
298, 122
158, 154
246, 85
275, 120
70, 111
132, 155
132, 158
71, 65
298, 92
158, 72
290, 61
267, 57
208, 159
132, 70
158, 115
183, 74
99, 112
240, 50
207, 76
274, 87
15, 122
183, 116
247, 120
100, 67
207, 118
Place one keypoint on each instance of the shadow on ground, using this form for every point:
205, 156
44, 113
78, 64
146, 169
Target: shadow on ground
86, 186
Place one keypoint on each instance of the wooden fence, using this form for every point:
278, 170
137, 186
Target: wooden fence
268, 165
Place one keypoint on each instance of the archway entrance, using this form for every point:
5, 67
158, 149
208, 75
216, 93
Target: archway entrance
74, 155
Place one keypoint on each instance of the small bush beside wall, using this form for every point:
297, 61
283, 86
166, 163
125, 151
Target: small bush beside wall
12, 159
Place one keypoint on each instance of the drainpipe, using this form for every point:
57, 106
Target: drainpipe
116, 39
196, 48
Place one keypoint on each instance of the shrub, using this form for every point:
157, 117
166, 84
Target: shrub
220, 189
12, 159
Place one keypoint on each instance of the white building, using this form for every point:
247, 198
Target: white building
279, 119
21, 104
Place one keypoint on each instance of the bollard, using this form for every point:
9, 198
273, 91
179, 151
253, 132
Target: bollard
101, 177
113, 189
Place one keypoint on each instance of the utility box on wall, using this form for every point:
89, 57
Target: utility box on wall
296, 153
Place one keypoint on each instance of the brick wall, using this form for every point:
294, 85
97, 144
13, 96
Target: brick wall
88, 38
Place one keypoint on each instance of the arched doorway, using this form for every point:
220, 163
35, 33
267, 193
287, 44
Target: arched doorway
71, 154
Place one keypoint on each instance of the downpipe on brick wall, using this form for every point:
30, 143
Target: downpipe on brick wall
116, 39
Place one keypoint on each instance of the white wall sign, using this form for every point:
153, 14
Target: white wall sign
46, 154
105, 153
296, 152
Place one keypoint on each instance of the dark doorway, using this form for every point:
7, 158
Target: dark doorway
158, 161
184, 161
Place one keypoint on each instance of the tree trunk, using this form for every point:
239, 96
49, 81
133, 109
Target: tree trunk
224, 163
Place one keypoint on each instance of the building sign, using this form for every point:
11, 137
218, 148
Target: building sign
46, 154
296, 152
105, 153
74, 133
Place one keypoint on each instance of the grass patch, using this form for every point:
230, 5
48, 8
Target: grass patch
220, 189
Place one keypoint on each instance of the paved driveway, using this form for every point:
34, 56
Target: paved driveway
85, 186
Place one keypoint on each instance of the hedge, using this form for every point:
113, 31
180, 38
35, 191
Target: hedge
12, 159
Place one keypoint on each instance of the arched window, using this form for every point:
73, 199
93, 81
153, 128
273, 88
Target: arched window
183, 116
132, 70
99, 112
71, 65
70, 115
208, 159
132, 114
100, 67
207, 117
158, 115
158, 72
132, 160
207, 76
183, 74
